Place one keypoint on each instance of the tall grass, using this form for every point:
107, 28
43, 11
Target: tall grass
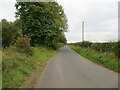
108, 59
113, 47
17, 66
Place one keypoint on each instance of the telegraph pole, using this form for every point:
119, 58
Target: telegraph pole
82, 30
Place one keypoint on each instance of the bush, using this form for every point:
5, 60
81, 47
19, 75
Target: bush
7, 33
10, 30
102, 47
85, 44
56, 46
23, 45
117, 49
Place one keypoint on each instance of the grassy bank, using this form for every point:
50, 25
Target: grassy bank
106, 59
18, 68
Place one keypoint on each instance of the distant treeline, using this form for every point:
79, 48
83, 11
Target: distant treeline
102, 47
36, 23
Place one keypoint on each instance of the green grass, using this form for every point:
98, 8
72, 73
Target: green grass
106, 59
18, 66
0, 70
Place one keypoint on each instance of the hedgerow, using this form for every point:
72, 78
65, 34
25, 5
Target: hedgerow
101, 47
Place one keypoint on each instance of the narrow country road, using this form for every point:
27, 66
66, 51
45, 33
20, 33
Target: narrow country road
67, 69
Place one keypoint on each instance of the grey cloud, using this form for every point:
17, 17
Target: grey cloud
7, 10
100, 17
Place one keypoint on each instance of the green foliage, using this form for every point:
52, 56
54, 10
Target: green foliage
85, 44
56, 46
117, 50
106, 59
23, 45
43, 22
101, 47
7, 33
107, 47
17, 66
10, 31
62, 39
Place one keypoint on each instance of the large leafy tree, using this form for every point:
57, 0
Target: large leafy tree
43, 22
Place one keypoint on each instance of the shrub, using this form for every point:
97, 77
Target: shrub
7, 33
104, 47
113, 47
23, 45
117, 49
10, 30
56, 46
85, 44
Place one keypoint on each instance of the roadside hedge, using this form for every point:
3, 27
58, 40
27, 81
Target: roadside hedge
101, 47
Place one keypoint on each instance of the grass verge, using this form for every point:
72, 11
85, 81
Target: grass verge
106, 59
18, 68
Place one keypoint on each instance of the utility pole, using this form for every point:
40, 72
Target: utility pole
82, 30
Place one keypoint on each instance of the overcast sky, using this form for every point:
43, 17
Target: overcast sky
100, 17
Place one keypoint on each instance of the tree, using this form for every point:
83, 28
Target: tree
7, 35
10, 31
43, 22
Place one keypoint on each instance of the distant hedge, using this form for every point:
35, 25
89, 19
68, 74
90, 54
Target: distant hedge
102, 47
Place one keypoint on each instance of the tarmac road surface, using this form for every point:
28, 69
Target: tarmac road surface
67, 69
